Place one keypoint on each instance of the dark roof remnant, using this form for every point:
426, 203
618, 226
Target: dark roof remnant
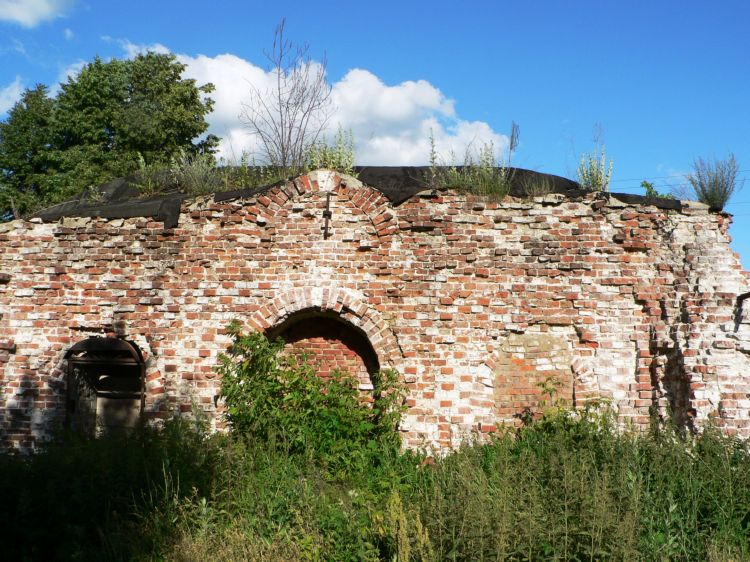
399, 183
120, 198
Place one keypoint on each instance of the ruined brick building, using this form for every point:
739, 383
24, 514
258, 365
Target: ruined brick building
474, 302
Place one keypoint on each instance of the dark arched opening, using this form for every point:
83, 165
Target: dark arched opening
106, 382
330, 343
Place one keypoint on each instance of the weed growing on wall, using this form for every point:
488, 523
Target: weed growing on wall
199, 174
715, 181
481, 173
246, 173
651, 191
196, 173
536, 186
278, 398
338, 156
152, 179
594, 172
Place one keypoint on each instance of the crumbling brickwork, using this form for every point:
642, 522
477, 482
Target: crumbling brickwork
473, 302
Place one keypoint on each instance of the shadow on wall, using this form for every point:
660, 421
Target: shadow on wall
676, 385
330, 344
102, 389
106, 385
670, 383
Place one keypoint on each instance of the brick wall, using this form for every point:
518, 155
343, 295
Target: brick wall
473, 302
532, 370
331, 346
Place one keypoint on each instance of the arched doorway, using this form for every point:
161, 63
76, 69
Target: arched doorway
106, 378
330, 344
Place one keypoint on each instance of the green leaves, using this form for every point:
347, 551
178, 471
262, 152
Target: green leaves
337, 156
594, 172
25, 150
103, 122
277, 397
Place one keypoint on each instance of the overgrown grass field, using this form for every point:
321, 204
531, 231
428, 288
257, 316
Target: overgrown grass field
567, 486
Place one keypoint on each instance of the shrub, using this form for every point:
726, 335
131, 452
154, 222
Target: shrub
651, 191
714, 182
593, 173
277, 398
196, 174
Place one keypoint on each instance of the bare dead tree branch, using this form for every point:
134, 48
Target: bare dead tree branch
292, 113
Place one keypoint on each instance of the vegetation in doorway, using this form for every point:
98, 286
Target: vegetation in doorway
276, 397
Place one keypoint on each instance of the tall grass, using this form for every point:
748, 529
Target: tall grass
561, 488
715, 181
84, 499
480, 173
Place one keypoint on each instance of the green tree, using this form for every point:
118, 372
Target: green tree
103, 122
25, 150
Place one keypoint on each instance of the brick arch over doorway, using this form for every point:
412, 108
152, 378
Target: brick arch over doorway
342, 304
330, 344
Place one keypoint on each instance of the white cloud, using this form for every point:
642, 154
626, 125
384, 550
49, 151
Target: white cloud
10, 94
18, 47
233, 78
68, 34
30, 13
391, 124
131, 50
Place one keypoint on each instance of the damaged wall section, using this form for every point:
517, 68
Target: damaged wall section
474, 302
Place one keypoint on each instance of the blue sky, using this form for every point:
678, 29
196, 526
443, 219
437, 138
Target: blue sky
664, 82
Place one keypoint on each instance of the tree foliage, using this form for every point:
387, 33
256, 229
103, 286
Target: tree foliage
26, 149
102, 123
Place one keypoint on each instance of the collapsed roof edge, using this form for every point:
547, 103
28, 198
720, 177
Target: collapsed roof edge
120, 198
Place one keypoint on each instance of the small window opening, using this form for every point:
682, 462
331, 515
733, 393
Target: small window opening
106, 382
